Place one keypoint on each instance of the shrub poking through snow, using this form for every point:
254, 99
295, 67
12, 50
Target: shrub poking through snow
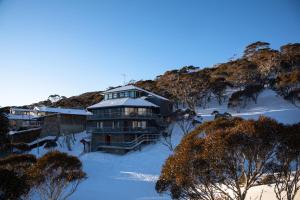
219, 115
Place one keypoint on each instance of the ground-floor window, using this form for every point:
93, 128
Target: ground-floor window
99, 124
115, 124
139, 124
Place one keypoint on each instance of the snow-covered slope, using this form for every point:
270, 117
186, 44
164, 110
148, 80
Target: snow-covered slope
268, 104
132, 176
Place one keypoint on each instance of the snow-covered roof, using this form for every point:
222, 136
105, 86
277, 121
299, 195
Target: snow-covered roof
62, 110
23, 131
21, 109
20, 117
139, 102
132, 87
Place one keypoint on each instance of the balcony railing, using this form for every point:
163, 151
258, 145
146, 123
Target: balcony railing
129, 145
123, 130
123, 116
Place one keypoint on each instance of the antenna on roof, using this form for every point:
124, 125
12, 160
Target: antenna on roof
124, 78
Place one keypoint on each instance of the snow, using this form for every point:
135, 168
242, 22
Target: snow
133, 176
42, 139
123, 102
267, 192
268, 104
132, 87
62, 110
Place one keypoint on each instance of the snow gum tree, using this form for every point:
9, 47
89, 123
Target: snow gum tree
54, 176
14, 180
57, 175
286, 171
221, 159
184, 120
167, 136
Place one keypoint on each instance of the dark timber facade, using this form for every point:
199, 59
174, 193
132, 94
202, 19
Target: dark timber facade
127, 118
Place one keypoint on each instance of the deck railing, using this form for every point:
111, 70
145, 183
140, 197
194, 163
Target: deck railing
123, 115
123, 130
132, 144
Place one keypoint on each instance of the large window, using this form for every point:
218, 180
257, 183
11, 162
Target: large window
143, 111
139, 111
126, 94
132, 94
139, 124
130, 111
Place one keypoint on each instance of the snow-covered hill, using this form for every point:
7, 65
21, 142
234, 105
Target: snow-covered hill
268, 104
132, 176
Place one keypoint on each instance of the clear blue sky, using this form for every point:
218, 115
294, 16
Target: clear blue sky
68, 47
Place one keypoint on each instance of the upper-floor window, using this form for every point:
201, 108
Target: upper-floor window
142, 111
126, 94
132, 94
130, 111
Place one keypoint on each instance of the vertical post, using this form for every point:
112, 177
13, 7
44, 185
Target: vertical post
38, 146
124, 79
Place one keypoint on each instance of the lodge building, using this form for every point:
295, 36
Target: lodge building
61, 121
128, 117
52, 121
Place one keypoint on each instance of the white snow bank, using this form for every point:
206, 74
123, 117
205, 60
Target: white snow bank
138, 177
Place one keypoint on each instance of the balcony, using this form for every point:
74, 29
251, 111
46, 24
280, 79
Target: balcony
123, 130
129, 145
123, 116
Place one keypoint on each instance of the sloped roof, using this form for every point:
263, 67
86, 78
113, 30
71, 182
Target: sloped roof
132, 87
139, 102
63, 110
